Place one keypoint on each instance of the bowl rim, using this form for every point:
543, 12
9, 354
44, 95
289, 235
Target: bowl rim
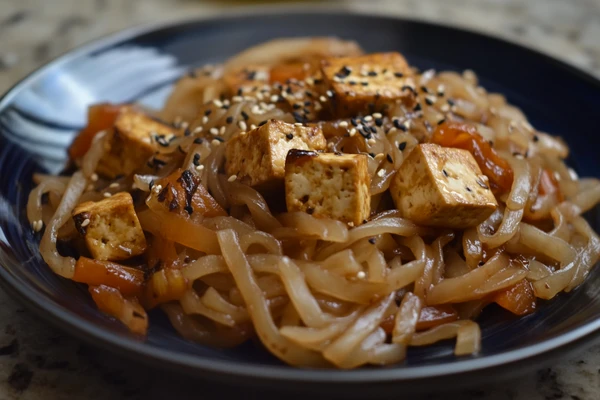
116, 343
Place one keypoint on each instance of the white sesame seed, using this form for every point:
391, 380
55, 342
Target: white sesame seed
204, 120
184, 125
260, 96
157, 188
329, 93
344, 124
352, 132
199, 167
232, 178
441, 89
274, 98
214, 131
94, 177
380, 173
107, 195
318, 107
377, 115
113, 185
371, 141
215, 142
379, 156
198, 129
322, 99
253, 126
237, 99
336, 78
242, 125
406, 124
368, 118
445, 108
350, 224
218, 103
361, 275
298, 123
85, 222
146, 140
222, 130
226, 102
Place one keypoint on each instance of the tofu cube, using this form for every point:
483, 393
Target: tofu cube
257, 157
369, 83
441, 186
110, 227
182, 194
135, 138
328, 185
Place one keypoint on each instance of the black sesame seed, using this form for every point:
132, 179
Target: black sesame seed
310, 210
188, 209
307, 103
245, 115
398, 124
207, 112
198, 140
536, 138
424, 89
181, 149
441, 121
297, 106
480, 263
468, 189
225, 107
417, 107
389, 158
196, 160
379, 121
344, 72
372, 240
364, 83
151, 184
318, 81
372, 155
398, 74
251, 75
450, 102
240, 92
298, 117
372, 73
229, 119
261, 123
402, 146
219, 139
353, 121
445, 173
373, 129
289, 136
429, 101
308, 94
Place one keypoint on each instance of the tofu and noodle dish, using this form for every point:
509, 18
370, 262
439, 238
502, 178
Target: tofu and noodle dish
333, 206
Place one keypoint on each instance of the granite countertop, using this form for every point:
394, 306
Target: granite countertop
38, 361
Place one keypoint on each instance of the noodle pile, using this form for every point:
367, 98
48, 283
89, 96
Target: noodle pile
318, 292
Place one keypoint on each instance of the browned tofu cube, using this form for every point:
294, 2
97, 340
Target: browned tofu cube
257, 157
181, 193
328, 185
110, 227
134, 139
441, 186
365, 84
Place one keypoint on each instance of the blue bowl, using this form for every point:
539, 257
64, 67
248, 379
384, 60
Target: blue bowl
41, 114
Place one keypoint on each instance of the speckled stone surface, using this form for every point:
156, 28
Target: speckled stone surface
40, 362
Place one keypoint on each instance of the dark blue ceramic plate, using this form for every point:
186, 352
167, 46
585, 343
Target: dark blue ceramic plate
40, 115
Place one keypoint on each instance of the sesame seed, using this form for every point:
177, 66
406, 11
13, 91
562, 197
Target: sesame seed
322, 99
380, 173
468, 189
222, 130
441, 89
199, 167
417, 107
94, 177
85, 223
430, 100
218, 103
389, 158
289, 136
344, 124
441, 121
242, 125
232, 178
204, 120
196, 159
329, 93
368, 118
352, 132
351, 224
402, 146
214, 131
361, 275
445, 173
371, 141
536, 138
245, 115
377, 115
253, 126
107, 195
229, 119
215, 142
406, 125
237, 99
113, 185
398, 74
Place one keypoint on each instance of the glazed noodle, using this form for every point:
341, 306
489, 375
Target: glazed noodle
339, 207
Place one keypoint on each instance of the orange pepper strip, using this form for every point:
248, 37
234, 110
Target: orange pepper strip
463, 136
127, 310
100, 117
127, 280
518, 299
